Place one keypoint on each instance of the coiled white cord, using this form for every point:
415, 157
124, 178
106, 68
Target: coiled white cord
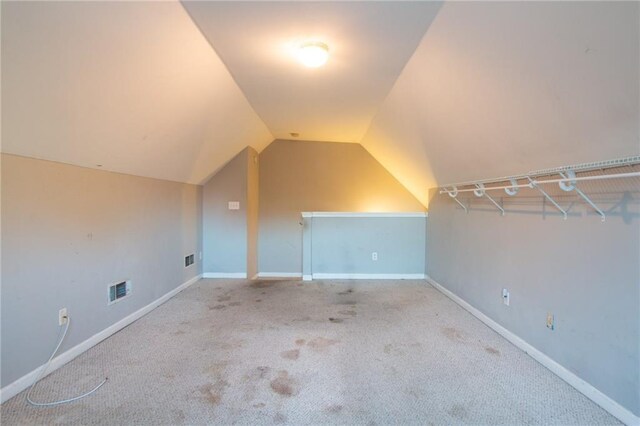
46, 367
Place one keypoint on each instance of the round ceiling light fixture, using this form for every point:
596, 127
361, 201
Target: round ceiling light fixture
313, 54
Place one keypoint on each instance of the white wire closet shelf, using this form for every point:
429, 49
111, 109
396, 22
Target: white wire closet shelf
567, 180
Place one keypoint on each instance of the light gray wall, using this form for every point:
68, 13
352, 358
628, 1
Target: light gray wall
344, 245
225, 231
297, 176
67, 233
585, 272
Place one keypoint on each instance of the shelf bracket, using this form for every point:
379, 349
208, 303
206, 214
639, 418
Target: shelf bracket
547, 196
480, 191
572, 186
454, 194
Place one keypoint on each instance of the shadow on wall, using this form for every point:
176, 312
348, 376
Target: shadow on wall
625, 205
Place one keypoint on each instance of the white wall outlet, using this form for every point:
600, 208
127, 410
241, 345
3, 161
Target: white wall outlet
550, 321
234, 205
505, 296
62, 316
374, 256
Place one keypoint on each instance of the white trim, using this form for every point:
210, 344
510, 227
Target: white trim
279, 275
306, 277
242, 275
364, 214
340, 276
12, 389
617, 410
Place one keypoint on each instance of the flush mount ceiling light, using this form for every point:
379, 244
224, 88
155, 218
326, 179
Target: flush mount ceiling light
313, 54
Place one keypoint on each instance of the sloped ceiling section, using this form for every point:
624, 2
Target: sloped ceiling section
369, 44
134, 87
500, 88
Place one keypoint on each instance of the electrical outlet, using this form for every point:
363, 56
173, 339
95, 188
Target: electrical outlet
505, 296
234, 205
62, 316
551, 323
374, 256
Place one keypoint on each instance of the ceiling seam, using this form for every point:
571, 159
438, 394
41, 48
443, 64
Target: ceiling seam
215, 52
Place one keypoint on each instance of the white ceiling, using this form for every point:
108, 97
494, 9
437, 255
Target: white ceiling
369, 43
502, 88
134, 87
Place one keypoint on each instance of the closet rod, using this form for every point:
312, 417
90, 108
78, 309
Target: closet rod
539, 182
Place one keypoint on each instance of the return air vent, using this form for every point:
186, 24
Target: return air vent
119, 291
189, 260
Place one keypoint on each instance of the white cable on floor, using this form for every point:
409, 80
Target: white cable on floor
44, 369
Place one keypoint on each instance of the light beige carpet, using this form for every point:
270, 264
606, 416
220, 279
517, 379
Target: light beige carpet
324, 352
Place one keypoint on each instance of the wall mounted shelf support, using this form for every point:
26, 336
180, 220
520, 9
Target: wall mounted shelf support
454, 194
534, 185
480, 191
573, 186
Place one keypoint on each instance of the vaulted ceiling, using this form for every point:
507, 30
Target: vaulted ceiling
369, 44
436, 92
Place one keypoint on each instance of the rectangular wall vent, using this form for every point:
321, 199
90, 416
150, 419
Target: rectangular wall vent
189, 260
119, 291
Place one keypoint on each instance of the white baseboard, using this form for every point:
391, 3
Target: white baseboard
25, 381
279, 275
242, 275
368, 276
617, 410
306, 277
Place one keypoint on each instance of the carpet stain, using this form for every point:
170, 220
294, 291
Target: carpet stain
291, 354
259, 405
453, 334
344, 293
217, 307
279, 419
217, 367
352, 313
224, 298
258, 373
346, 302
263, 371
492, 351
320, 343
179, 332
261, 284
213, 392
336, 320
336, 408
458, 411
283, 384
300, 342
258, 300
179, 416
235, 303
